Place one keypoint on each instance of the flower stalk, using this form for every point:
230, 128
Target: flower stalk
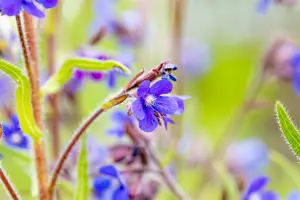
9, 187
30, 54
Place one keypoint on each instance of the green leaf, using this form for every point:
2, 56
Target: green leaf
289, 169
228, 181
82, 190
23, 100
64, 74
289, 130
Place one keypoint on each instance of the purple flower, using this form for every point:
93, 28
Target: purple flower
14, 7
295, 64
110, 184
119, 120
249, 157
97, 155
293, 195
263, 6
256, 190
13, 135
196, 58
150, 105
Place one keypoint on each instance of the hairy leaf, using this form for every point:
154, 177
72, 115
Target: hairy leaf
23, 100
82, 190
228, 181
290, 132
56, 82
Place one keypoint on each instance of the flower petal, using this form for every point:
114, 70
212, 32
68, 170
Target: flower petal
166, 105
149, 123
138, 109
180, 104
143, 88
30, 8
293, 195
11, 7
48, 3
121, 194
163, 86
109, 170
96, 76
112, 79
166, 121
270, 195
101, 184
256, 185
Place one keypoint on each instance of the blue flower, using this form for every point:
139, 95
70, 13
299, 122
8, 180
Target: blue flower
110, 184
293, 195
150, 105
249, 157
13, 135
14, 7
295, 64
256, 190
119, 119
263, 6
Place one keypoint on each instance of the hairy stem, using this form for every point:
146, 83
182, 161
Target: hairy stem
9, 187
32, 67
70, 146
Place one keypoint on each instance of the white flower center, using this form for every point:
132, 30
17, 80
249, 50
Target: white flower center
150, 100
255, 196
16, 138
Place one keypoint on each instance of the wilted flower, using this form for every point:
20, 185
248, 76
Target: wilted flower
256, 190
150, 105
14, 7
119, 119
110, 184
13, 135
249, 157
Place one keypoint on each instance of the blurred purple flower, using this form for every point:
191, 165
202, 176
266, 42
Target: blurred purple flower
13, 135
104, 187
249, 157
7, 90
263, 5
97, 155
14, 7
295, 64
195, 58
293, 195
119, 120
150, 105
256, 190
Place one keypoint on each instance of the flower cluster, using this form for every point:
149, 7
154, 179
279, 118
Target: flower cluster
14, 7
